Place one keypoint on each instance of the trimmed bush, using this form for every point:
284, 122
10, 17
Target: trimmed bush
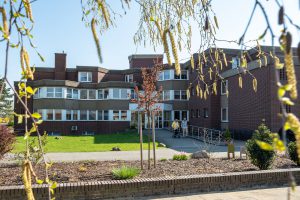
227, 135
181, 156
261, 158
7, 140
125, 173
292, 148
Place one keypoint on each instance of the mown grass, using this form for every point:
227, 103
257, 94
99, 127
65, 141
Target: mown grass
128, 141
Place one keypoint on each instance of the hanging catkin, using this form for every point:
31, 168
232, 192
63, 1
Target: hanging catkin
96, 39
28, 10
4, 21
166, 47
105, 14
175, 55
290, 72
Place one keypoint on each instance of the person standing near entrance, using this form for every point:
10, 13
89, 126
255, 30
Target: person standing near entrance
175, 127
184, 127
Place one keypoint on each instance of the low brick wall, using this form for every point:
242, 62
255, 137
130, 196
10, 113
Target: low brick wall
157, 186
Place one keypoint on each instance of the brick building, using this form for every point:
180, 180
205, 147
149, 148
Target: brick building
91, 100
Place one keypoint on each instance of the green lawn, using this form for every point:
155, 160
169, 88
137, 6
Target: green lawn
125, 141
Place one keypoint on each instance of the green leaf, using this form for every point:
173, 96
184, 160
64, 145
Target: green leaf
29, 90
264, 145
38, 181
287, 101
281, 92
20, 119
36, 115
39, 122
41, 57
54, 185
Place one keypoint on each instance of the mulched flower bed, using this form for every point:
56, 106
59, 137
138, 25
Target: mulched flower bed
10, 174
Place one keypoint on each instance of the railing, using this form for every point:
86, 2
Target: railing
207, 135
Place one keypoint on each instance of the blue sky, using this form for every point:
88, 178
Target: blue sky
58, 27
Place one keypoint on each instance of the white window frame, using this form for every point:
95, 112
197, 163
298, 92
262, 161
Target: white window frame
129, 78
89, 76
226, 120
165, 91
226, 87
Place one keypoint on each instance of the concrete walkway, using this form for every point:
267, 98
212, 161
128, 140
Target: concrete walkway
258, 194
190, 145
174, 145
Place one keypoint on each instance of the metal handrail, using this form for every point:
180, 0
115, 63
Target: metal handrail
207, 135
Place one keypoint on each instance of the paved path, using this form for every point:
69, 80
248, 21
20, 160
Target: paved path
174, 145
259, 194
190, 145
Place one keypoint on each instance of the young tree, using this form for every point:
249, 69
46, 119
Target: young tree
6, 99
147, 99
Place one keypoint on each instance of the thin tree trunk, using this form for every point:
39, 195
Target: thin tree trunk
149, 139
140, 123
153, 138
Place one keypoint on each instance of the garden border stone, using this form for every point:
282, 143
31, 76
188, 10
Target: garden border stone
158, 186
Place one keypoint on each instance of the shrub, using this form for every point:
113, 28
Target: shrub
181, 156
163, 159
292, 148
263, 159
125, 172
7, 139
227, 135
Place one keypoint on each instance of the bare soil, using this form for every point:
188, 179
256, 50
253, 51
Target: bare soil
10, 174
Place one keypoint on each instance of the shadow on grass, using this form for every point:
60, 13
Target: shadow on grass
128, 137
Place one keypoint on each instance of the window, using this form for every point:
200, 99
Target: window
75, 94
205, 112
224, 87
224, 115
132, 94
197, 113
161, 76
166, 94
183, 95
105, 115
68, 115
83, 94
235, 62
182, 76
129, 78
75, 114
49, 114
37, 93
92, 94
100, 94
288, 109
193, 91
116, 115
83, 115
92, 115
69, 93
177, 114
116, 93
124, 94
123, 115
85, 76
106, 93
50, 92
100, 115
177, 94
58, 114
167, 74
58, 93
